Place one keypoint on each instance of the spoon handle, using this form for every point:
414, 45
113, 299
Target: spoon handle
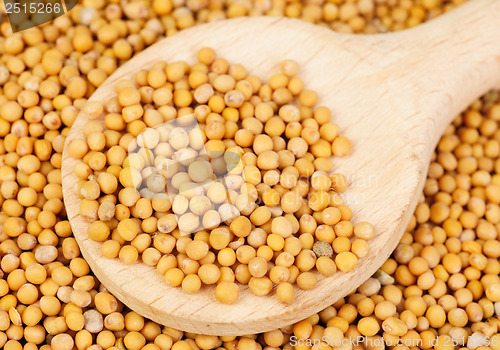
455, 59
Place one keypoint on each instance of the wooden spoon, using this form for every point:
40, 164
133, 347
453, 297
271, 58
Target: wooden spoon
392, 94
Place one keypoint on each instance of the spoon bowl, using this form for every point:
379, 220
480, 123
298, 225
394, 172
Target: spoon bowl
392, 95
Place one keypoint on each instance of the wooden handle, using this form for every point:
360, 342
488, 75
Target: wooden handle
455, 59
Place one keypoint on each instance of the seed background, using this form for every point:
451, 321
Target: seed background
443, 279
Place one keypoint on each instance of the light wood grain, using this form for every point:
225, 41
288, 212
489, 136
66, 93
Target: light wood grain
392, 95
